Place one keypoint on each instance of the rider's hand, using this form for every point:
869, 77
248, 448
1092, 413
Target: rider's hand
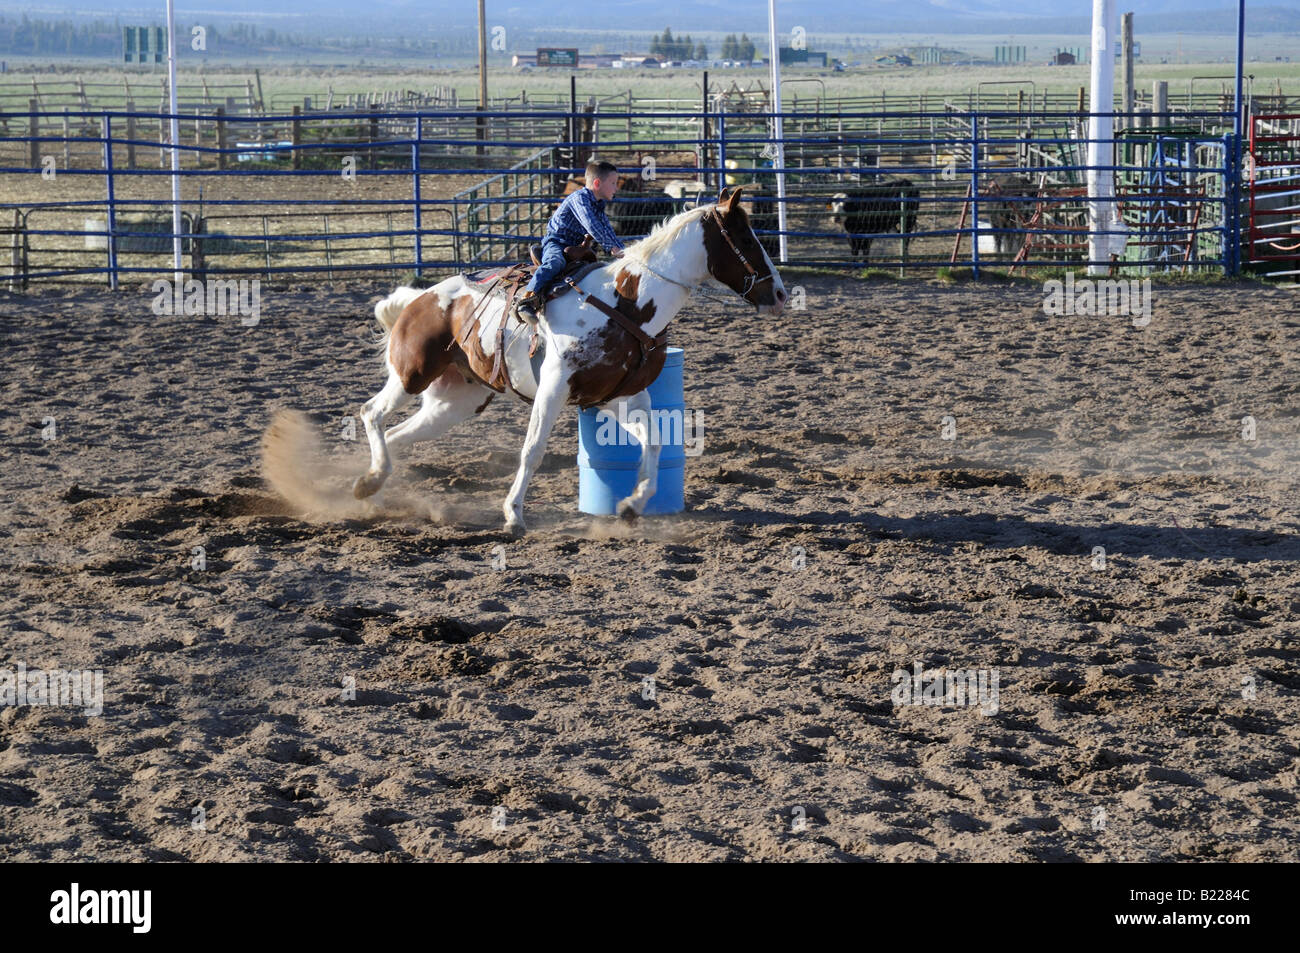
617, 253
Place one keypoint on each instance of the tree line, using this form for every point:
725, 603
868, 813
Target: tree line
27, 36
56, 37
670, 48
683, 48
742, 49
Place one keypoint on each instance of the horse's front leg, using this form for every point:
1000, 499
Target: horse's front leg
640, 425
552, 391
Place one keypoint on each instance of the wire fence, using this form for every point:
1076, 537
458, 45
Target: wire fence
383, 190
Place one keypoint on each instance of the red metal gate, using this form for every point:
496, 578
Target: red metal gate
1273, 173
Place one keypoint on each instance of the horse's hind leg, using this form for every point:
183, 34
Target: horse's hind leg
392, 397
447, 401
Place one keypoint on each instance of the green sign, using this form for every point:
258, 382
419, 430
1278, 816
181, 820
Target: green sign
553, 56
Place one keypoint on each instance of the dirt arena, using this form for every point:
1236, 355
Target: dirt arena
1147, 705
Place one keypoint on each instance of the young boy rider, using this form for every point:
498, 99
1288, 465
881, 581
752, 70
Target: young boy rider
581, 214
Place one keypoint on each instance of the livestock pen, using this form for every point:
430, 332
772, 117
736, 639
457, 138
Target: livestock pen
975, 182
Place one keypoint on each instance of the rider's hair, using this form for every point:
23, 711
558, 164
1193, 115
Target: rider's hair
599, 168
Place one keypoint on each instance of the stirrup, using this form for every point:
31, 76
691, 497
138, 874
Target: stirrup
526, 310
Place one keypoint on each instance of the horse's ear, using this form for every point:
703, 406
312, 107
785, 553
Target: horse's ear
727, 199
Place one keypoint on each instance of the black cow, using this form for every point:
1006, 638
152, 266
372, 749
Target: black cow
889, 205
637, 209
634, 210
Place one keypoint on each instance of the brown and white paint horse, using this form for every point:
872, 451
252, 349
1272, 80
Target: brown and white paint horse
589, 359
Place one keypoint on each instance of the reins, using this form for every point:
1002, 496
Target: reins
704, 291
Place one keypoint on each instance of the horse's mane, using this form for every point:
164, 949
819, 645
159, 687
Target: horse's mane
660, 237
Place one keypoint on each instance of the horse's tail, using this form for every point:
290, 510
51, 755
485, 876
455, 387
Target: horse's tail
388, 310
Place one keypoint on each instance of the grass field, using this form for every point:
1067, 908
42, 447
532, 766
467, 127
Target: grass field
506, 81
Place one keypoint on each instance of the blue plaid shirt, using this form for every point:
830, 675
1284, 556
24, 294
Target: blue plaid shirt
579, 215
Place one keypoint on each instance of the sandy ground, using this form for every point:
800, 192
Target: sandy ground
1147, 701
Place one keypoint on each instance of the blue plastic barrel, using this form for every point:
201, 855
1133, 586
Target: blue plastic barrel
608, 457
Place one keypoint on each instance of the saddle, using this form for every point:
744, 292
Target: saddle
580, 261
506, 282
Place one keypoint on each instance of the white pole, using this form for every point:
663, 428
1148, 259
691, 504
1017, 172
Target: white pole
178, 287
777, 129
1102, 214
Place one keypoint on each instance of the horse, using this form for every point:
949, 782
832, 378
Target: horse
441, 343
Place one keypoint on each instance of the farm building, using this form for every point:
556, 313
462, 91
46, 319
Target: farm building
793, 57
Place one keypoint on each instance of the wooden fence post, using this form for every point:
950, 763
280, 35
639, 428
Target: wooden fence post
198, 137
198, 258
130, 135
588, 120
221, 137
17, 283
296, 136
1126, 46
374, 131
33, 130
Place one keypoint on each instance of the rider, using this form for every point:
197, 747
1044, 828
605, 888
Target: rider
581, 214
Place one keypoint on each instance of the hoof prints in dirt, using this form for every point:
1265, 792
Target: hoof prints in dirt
385, 684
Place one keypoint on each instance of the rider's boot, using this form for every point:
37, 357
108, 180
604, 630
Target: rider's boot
527, 306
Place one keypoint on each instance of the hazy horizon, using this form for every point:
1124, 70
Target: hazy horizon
1026, 17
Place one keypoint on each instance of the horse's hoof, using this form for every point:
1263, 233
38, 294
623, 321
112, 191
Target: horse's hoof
515, 528
627, 512
366, 485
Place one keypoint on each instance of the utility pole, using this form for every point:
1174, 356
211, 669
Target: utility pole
778, 132
177, 224
480, 126
1105, 229
1126, 41
1239, 137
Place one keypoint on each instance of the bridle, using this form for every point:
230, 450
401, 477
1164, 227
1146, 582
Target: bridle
752, 278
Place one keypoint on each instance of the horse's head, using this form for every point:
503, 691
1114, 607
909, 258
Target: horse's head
735, 257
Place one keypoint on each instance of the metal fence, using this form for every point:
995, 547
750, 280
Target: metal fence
371, 191
1273, 176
